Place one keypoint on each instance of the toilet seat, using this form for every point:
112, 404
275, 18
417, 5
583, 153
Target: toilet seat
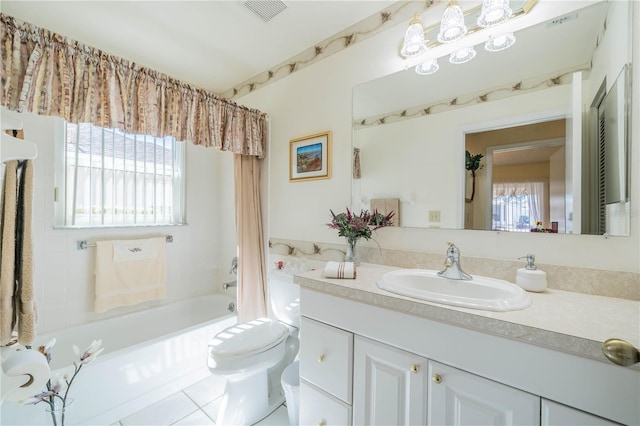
249, 338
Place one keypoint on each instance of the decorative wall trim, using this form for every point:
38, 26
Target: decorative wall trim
501, 92
334, 44
624, 285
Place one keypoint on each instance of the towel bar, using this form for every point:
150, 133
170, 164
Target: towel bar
83, 245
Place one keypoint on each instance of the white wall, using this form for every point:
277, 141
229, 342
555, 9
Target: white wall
318, 98
197, 261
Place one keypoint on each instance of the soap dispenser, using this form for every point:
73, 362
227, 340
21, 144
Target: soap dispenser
530, 277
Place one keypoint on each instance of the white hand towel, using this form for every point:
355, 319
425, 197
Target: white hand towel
129, 272
339, 270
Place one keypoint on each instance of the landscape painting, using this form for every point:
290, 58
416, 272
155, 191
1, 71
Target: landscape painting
309, 157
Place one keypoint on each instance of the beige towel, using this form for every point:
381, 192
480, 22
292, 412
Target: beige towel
7, 260
26, 307
129, 272
339, 270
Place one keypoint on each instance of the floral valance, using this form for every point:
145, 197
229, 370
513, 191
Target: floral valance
45, 73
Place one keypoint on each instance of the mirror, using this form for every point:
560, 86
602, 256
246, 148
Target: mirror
526, 106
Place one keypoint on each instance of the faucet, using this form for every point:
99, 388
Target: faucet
452, 269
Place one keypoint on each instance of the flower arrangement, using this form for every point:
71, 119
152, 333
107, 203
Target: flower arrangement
55, 392
354, 226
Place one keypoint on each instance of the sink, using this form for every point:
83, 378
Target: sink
479, 293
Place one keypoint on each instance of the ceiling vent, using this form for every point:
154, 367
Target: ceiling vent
265, 9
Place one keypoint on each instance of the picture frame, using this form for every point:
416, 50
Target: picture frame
310, 157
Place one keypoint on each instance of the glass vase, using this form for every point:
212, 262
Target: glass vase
59, 410
352, 251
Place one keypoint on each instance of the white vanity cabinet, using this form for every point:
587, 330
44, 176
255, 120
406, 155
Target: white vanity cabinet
363, 364
389, 385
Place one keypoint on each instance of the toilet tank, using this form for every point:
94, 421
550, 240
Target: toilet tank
285, 297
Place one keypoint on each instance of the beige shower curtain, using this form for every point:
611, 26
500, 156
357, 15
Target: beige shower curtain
252, 289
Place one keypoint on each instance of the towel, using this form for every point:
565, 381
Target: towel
17, 304
339, 270
129, 272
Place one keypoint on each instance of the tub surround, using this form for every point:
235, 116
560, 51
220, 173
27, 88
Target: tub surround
570, 322
597, 282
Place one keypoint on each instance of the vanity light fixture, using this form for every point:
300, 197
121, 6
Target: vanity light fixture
414, 40
463, 55
452, 26
428, 67
494, 12
495, 44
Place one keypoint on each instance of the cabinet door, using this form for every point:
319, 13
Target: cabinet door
554, 414
319, 408
389, 385
457, 397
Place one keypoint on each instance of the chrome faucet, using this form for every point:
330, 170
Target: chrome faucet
452, 269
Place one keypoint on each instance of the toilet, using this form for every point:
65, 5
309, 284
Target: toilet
251, 356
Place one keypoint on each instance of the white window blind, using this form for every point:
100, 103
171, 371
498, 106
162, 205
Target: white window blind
112, 178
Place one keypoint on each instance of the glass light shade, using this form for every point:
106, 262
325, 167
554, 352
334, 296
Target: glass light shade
494, 12
495, 44
462, 55
452, 26
414, 42
428, 67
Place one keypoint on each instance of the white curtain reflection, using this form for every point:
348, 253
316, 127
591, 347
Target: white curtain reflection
517, 206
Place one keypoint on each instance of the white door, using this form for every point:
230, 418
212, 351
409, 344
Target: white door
554, 414
389, 385
457, 397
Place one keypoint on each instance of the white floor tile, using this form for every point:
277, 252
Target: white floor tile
199, 418
206, 390
212, 408
163, 413
277, 418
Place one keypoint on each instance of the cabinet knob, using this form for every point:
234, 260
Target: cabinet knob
415, 368
436, 378
321, 423
320, 358
621, 352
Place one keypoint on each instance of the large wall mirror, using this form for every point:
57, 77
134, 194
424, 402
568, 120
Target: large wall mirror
533, 138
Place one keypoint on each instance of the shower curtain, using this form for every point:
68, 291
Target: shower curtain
17, 305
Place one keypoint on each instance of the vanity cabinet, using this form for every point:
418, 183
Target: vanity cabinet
366, 365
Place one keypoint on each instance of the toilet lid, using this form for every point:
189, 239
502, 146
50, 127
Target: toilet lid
248, 338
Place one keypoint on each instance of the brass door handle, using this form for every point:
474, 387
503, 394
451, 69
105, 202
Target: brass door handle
620, 352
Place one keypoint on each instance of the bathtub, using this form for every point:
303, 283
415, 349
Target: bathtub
148, 356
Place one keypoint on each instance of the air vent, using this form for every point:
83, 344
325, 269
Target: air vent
265, 9
562, 19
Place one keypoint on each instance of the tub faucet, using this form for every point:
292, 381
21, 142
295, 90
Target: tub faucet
452, 268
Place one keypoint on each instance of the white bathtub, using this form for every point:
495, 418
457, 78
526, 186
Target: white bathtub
148, 355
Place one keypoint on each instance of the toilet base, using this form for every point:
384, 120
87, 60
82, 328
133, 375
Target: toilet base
246, 400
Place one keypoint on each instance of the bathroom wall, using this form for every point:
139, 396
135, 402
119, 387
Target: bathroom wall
198, 260
318, 98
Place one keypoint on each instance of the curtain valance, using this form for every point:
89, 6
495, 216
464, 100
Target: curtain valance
45, 73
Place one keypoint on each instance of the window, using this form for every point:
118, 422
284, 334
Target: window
516, 206
112, 178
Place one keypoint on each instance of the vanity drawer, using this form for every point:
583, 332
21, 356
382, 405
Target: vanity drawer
326, 358
320, 408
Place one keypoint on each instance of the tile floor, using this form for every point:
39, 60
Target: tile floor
196, 405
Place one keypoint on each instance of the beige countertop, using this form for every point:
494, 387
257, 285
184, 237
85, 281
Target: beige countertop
570, 322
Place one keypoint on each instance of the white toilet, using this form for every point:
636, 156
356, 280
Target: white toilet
252, 355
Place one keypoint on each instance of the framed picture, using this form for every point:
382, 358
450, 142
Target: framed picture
310, 157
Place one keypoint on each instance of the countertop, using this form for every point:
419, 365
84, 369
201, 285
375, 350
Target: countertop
575, 323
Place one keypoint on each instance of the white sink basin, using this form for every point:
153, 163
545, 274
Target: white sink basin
480, 293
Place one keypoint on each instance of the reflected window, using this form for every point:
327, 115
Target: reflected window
517, 206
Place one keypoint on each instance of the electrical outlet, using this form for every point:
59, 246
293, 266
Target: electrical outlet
434, 215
